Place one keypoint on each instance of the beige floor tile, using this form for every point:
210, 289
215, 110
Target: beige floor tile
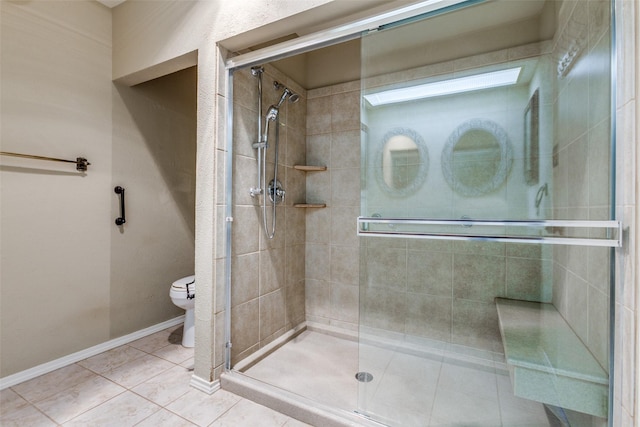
138, 371
468, 380
165, 387
202, 409
164, 418
111, 359
127, 409
10, 401
189, 363
73, 401
248, 413
174, 353
52, 383
456, 408
155, 342
26, 416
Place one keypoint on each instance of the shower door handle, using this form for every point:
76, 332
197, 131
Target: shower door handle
120, 220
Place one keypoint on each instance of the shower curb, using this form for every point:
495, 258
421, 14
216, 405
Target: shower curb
290, 404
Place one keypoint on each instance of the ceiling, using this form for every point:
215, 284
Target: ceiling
483, 28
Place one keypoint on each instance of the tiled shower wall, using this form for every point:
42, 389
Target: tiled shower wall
428, 289
581, 174
267, 296
332, 253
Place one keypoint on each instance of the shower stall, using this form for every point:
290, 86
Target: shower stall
445, 252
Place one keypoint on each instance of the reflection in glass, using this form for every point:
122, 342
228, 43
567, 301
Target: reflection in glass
477, 158
403, 161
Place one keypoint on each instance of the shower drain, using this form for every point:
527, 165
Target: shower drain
364, 377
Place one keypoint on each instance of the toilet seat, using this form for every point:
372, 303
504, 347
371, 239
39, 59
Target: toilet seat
180, 285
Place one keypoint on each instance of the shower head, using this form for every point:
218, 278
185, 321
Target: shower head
293, 98
288, 93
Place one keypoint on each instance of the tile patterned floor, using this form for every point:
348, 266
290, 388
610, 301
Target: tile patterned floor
144, 383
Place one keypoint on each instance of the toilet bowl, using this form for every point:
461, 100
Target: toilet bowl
182, 293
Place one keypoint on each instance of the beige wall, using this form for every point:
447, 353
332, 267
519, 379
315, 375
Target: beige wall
154, 154
71, 279
56, 101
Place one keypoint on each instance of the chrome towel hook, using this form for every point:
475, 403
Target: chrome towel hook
121, 220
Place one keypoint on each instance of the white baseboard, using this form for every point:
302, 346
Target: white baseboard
208, 387
45, 368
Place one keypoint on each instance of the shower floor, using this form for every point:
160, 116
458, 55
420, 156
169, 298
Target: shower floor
406, 390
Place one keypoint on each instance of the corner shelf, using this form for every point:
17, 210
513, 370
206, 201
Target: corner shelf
310, 168
310, 205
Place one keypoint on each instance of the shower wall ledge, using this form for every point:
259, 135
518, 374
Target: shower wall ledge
547, 361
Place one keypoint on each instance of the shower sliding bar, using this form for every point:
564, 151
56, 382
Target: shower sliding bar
558, 232
81, 162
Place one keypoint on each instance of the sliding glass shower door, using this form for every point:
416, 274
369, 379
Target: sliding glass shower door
487, 227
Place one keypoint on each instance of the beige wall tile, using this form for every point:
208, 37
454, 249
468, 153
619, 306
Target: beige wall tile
478, 277
318, 297
345, 265
429, 316
430, 273
319, 115
272, 313
345, 302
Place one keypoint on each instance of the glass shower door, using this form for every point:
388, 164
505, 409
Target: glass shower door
486, 227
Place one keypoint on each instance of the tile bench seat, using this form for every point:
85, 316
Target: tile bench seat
547, 361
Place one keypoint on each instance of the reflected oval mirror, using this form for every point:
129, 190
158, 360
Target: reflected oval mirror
401, 162
477, 157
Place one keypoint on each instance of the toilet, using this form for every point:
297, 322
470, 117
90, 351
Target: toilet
182, 293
